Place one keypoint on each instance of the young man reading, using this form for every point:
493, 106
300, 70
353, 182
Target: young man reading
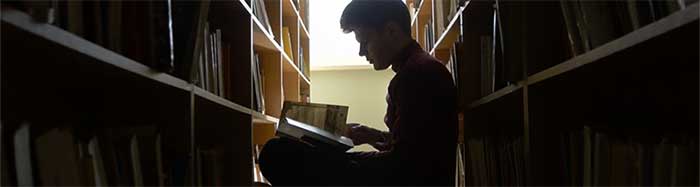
419, 148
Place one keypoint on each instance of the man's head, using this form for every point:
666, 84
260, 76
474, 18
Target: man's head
382, 27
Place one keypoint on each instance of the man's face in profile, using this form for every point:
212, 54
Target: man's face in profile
372, 47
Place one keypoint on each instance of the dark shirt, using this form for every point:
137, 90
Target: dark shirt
422, 121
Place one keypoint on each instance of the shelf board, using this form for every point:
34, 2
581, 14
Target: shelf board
423, 8
451, 32
72, 42
262, 118
496, 95
220, 100
653, 30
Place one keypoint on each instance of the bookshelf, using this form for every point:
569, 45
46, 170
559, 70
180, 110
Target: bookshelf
205, 126
543, 106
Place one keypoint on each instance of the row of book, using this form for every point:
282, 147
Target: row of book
160, 33
599, 157
118, 157
134, 156
495, 162
137, 29
212, 71
591, 24
588, 24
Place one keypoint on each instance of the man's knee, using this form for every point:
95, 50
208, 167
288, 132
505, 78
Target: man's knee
279, 158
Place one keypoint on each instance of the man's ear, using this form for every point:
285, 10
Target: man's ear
392, 28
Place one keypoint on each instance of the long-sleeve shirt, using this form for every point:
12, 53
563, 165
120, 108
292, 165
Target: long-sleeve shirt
422, 121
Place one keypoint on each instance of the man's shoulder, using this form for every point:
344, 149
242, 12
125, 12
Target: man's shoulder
423, 64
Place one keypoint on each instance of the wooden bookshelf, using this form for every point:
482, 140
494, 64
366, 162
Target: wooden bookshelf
637, 89
52, 78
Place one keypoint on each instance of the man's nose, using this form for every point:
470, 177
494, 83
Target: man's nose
363, 52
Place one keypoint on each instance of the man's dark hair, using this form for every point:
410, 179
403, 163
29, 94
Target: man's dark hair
375, 14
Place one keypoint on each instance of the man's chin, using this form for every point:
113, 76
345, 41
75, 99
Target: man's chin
379, 67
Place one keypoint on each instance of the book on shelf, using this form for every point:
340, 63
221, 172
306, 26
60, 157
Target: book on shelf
57, 159
189, 18
219, 63
23, 156
460, 174
211, 70
509, 27
258, 95
97, 162
500, 77
302, 64
488, 67
322, 125
214, 63
590, 24
260, 12
151, 43
287, 42
428, 35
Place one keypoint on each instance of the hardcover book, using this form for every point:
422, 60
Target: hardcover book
321, 125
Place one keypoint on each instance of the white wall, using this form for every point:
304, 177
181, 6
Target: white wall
363, 90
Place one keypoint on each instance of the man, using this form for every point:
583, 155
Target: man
419, 148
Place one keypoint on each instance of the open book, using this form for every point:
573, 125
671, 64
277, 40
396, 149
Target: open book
318, 124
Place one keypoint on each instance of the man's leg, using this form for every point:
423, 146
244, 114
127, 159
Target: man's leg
289, 162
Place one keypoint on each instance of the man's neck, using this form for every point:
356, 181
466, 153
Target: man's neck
399, 59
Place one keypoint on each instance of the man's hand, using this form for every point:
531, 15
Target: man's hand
361, 134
